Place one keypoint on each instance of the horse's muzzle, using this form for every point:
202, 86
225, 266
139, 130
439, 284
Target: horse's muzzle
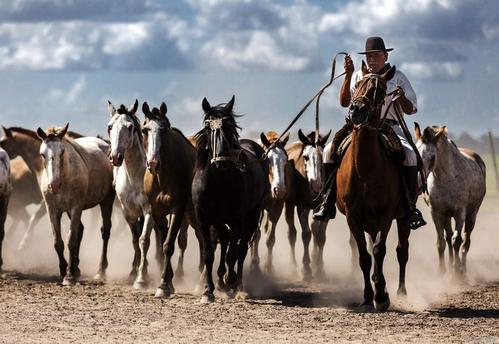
278, 193
153, 166
54, 187
116, 159
358, 113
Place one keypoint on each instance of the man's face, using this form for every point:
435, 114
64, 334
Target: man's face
376, 60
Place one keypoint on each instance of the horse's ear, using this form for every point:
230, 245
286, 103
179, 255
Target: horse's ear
389, 73
206, 105
230, 104
323, 140
285, 139
417, 131
303, 138
264, 140
133, 109
41, 134
442, 131
7, 132
147, 111
63, 131
111, 108
364, 68
163, 109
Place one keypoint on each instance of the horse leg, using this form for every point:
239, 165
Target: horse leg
457, 241
354, 253
381, 297
290, 220
4, 203
166, 288
144, 241
55, 222
402, 253
160, 236
33, 221
73, 243
270, 227
364, 262
208, 255
255, 258
468, 228
182, 245
306, 235
439, 220
106, 210
135, 228
224, 240
319, 235
448, 239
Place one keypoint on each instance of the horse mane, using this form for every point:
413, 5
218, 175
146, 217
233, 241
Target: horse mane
136, 126
272, 136
25, 131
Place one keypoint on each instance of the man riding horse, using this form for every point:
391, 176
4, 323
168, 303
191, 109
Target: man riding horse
398, 86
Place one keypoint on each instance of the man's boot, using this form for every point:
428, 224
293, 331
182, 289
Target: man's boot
415, 217
326, 209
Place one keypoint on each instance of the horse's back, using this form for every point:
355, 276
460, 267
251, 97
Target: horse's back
257, 165
474, 156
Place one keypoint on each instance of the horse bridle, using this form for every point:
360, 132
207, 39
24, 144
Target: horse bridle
215, 125
371, 106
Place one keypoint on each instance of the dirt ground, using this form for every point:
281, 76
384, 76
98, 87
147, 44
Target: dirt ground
34, 307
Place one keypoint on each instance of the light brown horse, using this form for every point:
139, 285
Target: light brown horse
76, 175
370, 190
306, 183
5, 191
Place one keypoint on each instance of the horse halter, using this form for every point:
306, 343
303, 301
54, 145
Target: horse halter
369, 105
215, 126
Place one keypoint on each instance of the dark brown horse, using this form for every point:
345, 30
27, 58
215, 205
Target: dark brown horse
370, 190
167, 184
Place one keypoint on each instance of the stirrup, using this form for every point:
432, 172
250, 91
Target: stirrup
415, 219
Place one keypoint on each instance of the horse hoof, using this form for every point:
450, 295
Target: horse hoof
382, 306
164, 291
241, 296
142, 284
100, 276
366, 307
402, 293
68, 281
207, 298
320, 275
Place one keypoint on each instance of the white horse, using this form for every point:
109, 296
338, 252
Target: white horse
456, 187
129, 160
76, 175
5, 191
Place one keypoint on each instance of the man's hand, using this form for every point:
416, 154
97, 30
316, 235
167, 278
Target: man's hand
406, 104
348, 66
400, 91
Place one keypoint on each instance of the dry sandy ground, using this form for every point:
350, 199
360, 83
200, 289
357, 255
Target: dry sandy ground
34, 307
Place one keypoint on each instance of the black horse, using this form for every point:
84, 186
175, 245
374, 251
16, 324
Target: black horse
229, 191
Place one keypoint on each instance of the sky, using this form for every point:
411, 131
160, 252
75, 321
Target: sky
60, 60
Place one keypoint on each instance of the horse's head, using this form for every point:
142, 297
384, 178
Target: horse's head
52, 153
219, 135
155, 125
427, 144
369, 96
7, 142
312, 158
122, 129
278, 159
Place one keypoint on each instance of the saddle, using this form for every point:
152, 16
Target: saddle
389, 140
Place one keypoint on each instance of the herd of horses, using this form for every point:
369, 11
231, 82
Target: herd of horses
222, 185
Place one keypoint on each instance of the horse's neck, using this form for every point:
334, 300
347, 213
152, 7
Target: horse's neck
29, 150
366, 152
135, 161
172, 154
72, 158
447, 159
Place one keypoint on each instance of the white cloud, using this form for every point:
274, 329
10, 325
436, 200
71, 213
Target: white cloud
433, 70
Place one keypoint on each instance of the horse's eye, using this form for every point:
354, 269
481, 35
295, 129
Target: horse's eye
109, 128
144, 131
42, 155
305, 158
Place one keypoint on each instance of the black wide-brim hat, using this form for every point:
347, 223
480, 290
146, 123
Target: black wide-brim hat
374, 44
